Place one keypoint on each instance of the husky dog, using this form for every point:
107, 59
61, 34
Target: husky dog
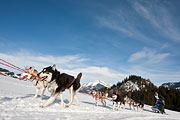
118, 100
133, 103
58, 82
99, 97
28, 75
130, 102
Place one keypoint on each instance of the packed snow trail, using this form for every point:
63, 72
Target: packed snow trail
17, 103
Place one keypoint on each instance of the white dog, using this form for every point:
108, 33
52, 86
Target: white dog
133, 103
32, 75
99, 97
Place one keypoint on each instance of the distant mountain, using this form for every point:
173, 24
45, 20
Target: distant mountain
5, 72
174, 85
98, 84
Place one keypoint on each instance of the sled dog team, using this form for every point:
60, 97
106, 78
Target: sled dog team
57, 83
117, 101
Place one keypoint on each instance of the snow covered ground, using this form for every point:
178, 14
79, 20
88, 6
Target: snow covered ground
17, 103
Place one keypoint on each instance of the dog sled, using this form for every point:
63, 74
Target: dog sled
158, 108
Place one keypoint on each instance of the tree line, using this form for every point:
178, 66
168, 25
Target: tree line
146, 92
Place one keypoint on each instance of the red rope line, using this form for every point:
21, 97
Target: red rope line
11, 66
16, 68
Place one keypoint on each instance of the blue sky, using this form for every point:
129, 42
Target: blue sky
106, 40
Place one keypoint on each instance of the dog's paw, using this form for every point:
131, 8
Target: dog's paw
67, 105
35, 97
77, 104
41, 106
62, 105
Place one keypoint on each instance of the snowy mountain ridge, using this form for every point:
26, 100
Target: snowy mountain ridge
97, 84
174, 85
6, 72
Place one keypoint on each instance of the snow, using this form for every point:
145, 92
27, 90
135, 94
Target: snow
17, 103
97, 84
130, 86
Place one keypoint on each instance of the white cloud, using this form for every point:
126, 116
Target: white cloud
160, 18
27, 59
137, 56
148, 56
114, 25
72, 64
119, 21
76, 64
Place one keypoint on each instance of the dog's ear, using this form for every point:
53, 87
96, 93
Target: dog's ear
54, 67
32, 68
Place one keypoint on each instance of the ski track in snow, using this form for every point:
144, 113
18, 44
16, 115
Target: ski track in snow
17, 103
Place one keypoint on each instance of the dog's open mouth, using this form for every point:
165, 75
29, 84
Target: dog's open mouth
22, 78
43, 78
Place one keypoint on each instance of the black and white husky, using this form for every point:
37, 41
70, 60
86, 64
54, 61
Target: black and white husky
139, 105
58, 82
118, 100
29, 74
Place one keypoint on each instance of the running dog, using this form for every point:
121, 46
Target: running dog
58, 83
30, 74
118, 100
133, 103
99, 97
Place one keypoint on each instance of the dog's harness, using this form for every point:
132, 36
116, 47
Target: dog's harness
71, 83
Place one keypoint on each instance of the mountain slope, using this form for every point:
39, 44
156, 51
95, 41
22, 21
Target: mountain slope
133, 83
174, 85
98, 84
5, 72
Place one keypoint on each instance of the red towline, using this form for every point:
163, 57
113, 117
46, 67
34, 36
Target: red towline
8, 64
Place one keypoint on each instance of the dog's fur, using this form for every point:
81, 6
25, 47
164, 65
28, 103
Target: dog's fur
118, 100
99, 97
138, 104
39, 84
58, 82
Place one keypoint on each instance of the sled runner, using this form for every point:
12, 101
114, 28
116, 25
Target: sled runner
158, 108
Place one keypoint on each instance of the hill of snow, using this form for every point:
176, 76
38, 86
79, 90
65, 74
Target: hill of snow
17, 103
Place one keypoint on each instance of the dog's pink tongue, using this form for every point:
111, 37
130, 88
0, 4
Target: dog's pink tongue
42, 78
21, 78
